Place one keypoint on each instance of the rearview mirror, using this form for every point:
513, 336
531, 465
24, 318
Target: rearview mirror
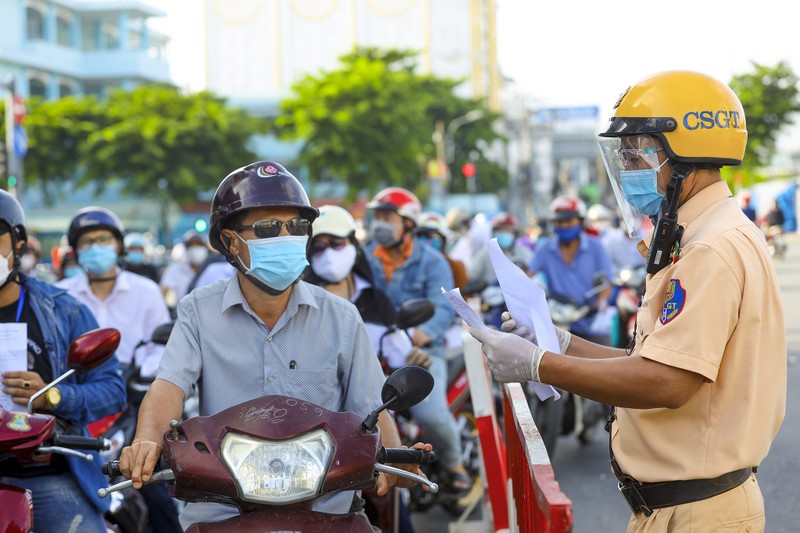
415, 312
406, 387
161, 333
93, 348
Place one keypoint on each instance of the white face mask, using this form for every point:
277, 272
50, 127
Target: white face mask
4, 270
197, 254
334, 265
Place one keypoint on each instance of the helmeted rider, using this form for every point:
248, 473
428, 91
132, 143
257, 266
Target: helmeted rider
432, 229
136, 258
46, 321
406, 268
178, 275
126, 301
262, 332
572, 262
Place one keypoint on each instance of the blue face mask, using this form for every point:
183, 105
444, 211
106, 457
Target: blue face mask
434, 243
135, 257
568, 234
504, 240
98, 258
641, 190
72, 271
278, 261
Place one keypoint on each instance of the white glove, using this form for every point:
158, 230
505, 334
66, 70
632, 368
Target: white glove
511, 358
509, 325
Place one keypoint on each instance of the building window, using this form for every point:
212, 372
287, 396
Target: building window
36, 87
63, 31
34, 24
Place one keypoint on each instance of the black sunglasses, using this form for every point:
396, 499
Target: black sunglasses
319, 245
270, 227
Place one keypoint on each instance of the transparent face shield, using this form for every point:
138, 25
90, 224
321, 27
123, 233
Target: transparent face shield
631, 158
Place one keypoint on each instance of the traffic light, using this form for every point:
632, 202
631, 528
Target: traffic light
468, 170
200, 225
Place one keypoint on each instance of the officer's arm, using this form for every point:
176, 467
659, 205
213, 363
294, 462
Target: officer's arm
633, 382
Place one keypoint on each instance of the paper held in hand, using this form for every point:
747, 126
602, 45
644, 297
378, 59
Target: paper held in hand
527, 303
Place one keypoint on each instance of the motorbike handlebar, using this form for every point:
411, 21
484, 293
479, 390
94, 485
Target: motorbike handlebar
80, 442
405, 456
111, 469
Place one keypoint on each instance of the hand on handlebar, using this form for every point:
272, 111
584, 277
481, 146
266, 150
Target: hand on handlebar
138, 461
385, 481
509, 325
418, 357
420, 338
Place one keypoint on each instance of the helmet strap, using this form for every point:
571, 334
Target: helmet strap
666, 232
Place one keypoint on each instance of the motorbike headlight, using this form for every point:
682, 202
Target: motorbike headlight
278, 472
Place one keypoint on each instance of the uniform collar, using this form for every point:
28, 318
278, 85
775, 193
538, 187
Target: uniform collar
301, 295
693, 208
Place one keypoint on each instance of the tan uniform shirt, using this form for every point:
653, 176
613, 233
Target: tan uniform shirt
717, 312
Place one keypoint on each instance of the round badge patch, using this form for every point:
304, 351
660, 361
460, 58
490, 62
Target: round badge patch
267, 171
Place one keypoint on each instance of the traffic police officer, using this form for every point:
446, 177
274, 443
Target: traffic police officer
701, 394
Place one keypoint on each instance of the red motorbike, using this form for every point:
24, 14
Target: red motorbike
274, 456
32, 438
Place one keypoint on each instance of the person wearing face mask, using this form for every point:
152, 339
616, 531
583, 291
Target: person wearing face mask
406, 268
69, 265
262, 332
178, 275
41, 321
570, 262
433, 231
701, 393
137, 259
120, 299
338, 264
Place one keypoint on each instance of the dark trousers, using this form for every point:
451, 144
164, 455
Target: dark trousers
161, 509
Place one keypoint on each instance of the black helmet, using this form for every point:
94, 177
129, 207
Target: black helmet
261, 184
92, 218
12, 215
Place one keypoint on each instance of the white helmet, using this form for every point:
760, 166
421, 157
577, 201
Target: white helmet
598, 212
334, 220
436, 222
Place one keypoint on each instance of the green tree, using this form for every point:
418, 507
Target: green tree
166, 145
770, 97
370, 121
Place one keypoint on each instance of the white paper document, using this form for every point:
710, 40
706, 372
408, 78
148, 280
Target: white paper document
463, 309
527, 303
13, 357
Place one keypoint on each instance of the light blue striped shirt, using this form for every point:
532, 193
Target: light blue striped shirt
318, 351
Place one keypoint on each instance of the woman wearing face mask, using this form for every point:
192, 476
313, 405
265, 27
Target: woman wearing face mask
337, 264
571, 261
136, 258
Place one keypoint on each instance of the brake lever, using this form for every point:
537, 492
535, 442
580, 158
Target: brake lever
163, 475
422, 480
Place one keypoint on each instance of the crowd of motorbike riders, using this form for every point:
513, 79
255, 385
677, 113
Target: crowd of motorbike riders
580, 256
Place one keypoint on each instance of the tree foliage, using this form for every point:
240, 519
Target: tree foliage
370, 121
163, 144
770, 97
158, 142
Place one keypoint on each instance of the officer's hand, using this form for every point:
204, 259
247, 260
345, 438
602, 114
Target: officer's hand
137, 461
418, 357
509, 325
511, 358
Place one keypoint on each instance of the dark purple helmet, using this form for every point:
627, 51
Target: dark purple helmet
12, 218
93, 218
261, 184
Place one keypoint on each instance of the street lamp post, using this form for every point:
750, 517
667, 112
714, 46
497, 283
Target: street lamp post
445, 149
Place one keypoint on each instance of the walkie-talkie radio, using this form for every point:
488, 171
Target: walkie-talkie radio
667, 233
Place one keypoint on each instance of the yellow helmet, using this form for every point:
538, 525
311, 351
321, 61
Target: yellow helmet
698, 118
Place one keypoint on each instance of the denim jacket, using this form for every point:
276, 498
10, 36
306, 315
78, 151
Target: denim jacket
85, 397
423, 275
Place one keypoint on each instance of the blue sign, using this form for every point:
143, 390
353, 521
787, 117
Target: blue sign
20, 141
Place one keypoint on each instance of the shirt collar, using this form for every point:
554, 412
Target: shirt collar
693, 208
121, 283
301, 295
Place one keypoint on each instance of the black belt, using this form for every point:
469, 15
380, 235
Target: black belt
644, 497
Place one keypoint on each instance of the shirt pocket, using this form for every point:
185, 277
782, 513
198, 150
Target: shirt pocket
319, 386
